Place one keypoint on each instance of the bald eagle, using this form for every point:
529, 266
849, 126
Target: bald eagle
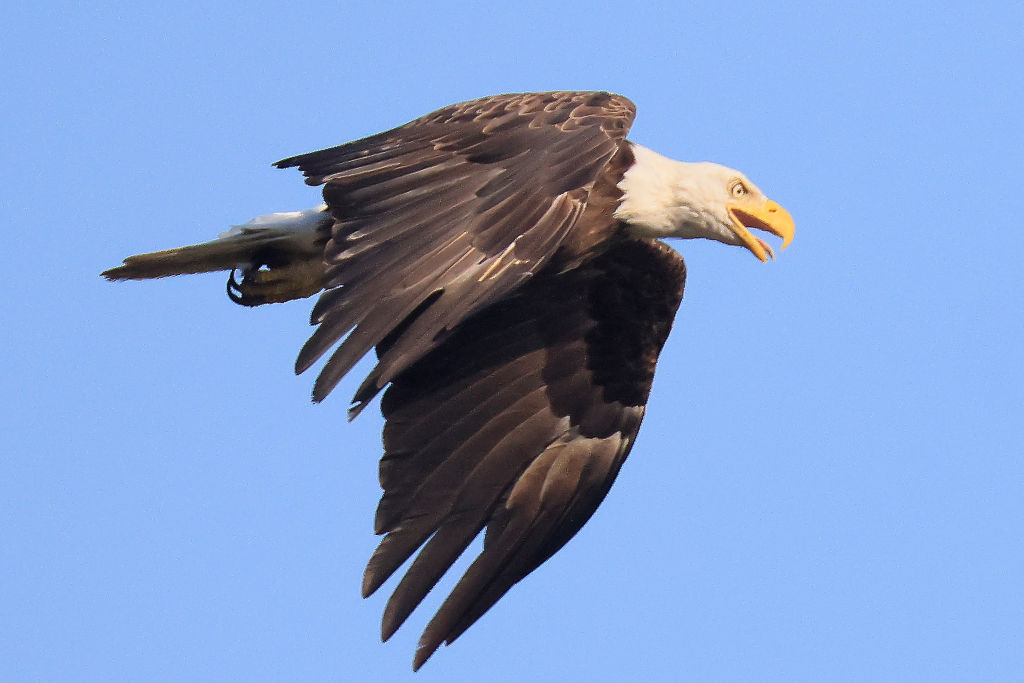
502, 258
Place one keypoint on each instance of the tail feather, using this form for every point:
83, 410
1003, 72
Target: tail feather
280, 256
240, 250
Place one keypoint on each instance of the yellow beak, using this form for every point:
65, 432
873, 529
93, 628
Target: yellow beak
769, 217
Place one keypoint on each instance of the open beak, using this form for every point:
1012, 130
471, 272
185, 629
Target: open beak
769, 217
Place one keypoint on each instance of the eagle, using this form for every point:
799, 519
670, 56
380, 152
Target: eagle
503, 259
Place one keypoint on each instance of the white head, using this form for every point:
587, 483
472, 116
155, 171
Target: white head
666, 198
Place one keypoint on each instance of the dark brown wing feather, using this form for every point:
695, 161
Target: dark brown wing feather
447, 214
518, 423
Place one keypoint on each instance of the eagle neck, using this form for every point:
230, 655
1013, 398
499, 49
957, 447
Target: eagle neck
655, 202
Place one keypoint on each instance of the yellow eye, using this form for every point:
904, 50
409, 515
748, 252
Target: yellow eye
738, 189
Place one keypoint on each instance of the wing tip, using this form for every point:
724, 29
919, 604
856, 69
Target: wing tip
114, 274
355, 409
395, 614
424, 651
290, 162
323, 386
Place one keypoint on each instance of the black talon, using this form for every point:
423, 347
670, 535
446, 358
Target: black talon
234, 288
239, 290
264, 284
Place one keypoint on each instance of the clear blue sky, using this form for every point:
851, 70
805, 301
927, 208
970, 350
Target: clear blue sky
830, 481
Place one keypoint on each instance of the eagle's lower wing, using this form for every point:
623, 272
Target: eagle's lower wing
445, 215
517, 422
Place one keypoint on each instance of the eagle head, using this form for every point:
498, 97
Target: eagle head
662, 197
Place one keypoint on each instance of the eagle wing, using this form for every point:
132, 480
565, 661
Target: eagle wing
445, 215
517, 422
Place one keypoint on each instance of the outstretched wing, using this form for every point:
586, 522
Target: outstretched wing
517, 422
447, 214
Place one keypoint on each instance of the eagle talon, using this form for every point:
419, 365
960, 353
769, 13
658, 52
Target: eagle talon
247, 290
260, 285
234, 287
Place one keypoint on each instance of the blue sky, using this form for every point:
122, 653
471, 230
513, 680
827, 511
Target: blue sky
829, 484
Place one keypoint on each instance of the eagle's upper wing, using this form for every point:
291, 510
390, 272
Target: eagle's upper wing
517, 422
442, 216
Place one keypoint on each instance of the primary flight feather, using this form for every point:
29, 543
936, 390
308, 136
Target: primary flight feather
502, 257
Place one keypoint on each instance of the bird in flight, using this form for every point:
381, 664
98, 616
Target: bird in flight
502, 257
